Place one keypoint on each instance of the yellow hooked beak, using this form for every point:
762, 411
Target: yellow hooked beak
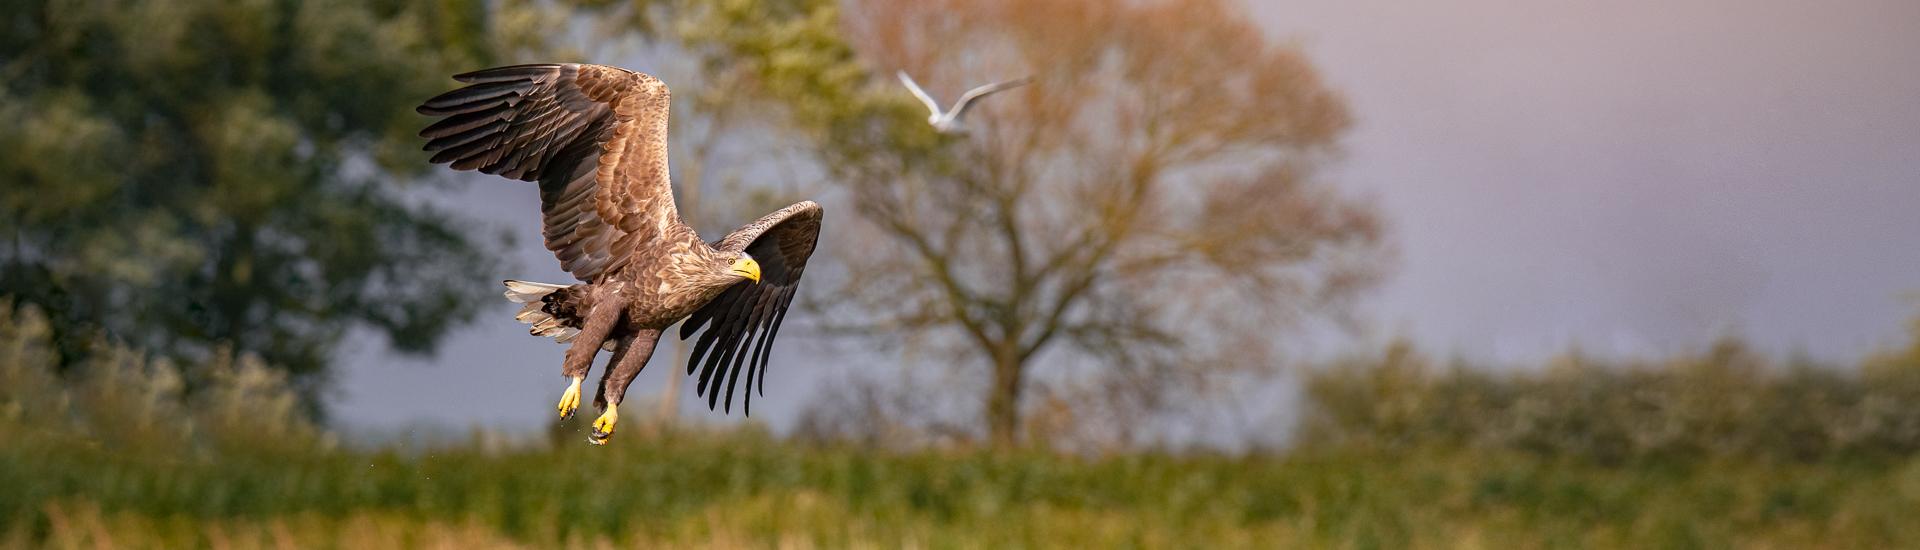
746, 267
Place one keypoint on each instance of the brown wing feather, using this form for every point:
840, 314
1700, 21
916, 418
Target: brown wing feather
742, 323
594, 137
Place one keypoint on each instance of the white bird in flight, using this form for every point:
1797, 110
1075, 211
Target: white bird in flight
949, 122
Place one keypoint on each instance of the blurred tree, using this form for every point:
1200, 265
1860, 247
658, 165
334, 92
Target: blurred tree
1725, 400
187, 175
1148, 208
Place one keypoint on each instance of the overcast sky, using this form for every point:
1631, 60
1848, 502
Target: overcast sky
1635, 176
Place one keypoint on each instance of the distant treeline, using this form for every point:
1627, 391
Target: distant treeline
1725, 402
129, 452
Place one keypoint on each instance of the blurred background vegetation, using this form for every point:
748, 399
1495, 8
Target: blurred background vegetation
190, 177
203, 202
1715, 450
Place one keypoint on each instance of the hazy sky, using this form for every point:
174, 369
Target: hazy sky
1637, 176
1641, 175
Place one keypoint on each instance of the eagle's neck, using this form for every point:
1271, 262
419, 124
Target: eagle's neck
702, 272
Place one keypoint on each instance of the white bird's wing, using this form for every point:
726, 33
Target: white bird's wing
914, 87
960, 107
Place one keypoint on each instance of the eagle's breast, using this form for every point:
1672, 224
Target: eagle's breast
673, 281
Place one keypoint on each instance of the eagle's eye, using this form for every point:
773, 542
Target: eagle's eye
746, 267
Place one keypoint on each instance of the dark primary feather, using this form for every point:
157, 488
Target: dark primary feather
742, 323
548, 123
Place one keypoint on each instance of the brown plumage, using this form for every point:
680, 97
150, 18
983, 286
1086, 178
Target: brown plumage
595, 139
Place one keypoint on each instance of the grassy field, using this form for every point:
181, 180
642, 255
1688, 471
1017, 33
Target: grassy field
747, 490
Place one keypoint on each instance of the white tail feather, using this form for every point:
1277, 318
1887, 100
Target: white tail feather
531, 314
522, 292
531, 293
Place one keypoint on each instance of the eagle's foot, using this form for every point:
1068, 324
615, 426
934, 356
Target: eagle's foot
570, 400
603, 426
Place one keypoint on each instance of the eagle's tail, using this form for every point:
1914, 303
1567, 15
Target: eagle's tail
548, 308
523, 292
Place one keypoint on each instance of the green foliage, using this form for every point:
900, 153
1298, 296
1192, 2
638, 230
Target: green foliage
1726, 402
189, 174
126, 403
794, 55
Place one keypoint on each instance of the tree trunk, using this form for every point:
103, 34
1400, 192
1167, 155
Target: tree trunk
1003, 397
670, 395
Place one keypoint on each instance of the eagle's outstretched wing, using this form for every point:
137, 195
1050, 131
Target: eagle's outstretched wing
593, 136
781, 242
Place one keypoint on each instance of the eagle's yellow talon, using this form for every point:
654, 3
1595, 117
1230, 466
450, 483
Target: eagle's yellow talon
570, 400
603, 426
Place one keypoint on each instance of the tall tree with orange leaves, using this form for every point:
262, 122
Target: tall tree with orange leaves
1130, 228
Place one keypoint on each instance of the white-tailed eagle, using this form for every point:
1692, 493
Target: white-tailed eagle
595, 139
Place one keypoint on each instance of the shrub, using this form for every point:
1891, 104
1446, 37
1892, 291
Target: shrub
1726, 401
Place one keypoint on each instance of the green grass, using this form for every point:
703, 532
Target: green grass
746, 489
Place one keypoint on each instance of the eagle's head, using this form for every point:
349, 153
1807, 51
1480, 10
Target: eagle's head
745, 267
